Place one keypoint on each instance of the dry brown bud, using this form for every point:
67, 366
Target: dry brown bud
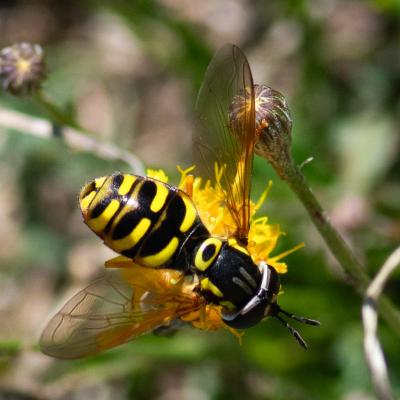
22, 68
273, 124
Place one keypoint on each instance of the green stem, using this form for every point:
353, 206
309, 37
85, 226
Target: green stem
334, 241
339, 248
10, 348
55, 113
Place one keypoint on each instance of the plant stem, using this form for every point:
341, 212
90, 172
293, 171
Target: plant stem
334, 241
55, 113
10, 348
72, 137
358, 277
77, 136
372, 347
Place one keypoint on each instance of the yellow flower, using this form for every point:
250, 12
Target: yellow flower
157, 174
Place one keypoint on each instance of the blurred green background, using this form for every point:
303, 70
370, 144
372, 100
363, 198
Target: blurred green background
130, 71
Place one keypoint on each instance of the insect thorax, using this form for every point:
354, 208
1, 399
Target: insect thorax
227, 273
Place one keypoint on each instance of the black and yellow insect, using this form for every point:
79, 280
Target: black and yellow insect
157, 226
171, 267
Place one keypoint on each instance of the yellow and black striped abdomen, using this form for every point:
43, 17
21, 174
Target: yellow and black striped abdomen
141, 218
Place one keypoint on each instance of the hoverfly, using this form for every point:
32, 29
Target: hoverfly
170, 267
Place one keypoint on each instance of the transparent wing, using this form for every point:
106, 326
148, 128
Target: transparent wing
226, 135
116, 308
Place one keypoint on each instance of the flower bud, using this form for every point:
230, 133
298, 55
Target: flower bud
273, 124
22, 68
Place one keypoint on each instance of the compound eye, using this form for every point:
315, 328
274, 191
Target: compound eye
253, 317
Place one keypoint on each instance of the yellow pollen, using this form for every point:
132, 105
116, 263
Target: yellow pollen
23, 66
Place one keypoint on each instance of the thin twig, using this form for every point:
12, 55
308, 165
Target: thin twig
55, 113
337, 245
74, 138
333, 239
372, 348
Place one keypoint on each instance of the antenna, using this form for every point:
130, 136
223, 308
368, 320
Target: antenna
293, 331
303, 320
277, 310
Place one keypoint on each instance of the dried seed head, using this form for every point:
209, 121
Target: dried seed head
22, 68
273, 124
